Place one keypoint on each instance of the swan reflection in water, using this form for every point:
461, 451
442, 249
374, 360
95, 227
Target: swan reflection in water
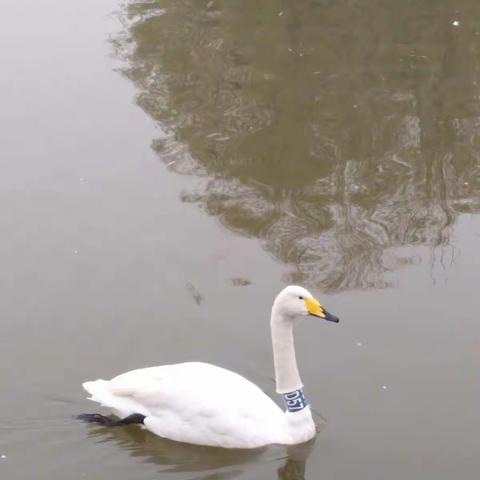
205, 462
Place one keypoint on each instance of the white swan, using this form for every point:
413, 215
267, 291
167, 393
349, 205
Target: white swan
204, 404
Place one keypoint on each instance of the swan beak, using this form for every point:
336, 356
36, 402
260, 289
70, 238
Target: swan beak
314, 308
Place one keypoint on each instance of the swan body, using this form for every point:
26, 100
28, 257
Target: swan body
203, 404
197, 403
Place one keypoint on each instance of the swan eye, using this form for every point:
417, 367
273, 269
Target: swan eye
300, 298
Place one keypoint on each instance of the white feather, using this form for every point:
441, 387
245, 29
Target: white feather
204, 404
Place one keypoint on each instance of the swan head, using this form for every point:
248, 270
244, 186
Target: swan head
294, 301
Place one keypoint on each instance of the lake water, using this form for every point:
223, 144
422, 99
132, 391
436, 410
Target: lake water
168, 166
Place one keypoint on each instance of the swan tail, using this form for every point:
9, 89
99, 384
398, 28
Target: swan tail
98, 390
114, 398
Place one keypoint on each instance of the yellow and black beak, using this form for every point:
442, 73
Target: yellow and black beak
314, 308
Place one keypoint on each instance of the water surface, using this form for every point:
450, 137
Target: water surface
168, 166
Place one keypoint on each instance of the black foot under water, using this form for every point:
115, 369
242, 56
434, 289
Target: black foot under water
135, 418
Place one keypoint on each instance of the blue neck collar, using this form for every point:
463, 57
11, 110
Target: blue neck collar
295, 401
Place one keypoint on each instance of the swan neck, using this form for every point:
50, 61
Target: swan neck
286, 371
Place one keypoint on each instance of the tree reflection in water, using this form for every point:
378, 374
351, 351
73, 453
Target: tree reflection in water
335, 132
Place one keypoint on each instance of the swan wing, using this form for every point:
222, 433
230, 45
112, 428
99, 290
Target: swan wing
195, 403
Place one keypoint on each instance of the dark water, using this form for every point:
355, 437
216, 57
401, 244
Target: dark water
329, 143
